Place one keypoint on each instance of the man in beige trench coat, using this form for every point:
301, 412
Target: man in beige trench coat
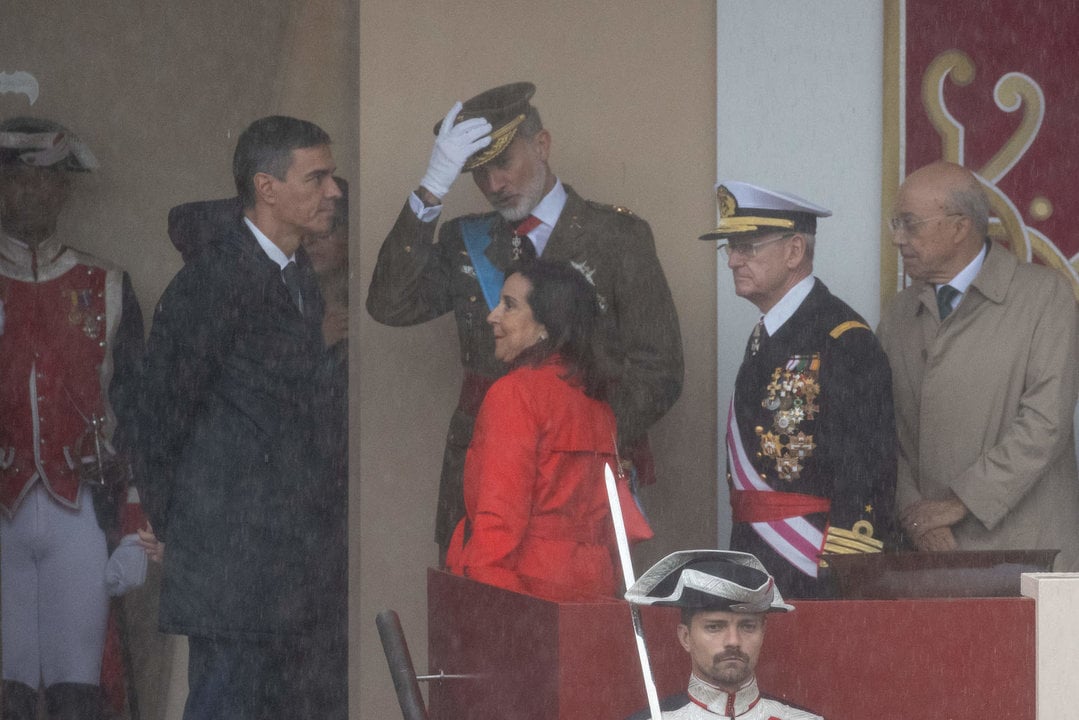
984, 374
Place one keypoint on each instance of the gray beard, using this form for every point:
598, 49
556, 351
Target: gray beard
530, 198
514, 214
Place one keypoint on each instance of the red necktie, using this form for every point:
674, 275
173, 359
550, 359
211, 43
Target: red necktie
527, 225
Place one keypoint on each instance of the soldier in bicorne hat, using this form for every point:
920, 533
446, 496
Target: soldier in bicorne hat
71, 343
725, 598
498, 137
811, 435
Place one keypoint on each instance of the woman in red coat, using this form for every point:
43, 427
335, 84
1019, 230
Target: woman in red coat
537, 514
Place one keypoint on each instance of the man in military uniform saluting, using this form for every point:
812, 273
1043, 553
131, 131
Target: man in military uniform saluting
811, 436
499, 138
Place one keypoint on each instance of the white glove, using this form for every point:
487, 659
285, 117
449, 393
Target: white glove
453, 146
126, 568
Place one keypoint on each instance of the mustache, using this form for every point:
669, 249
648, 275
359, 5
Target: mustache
730, 655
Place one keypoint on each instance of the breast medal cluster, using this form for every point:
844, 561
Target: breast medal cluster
82, 312
791, 399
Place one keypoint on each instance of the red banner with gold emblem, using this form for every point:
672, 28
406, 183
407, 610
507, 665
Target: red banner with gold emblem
992, 85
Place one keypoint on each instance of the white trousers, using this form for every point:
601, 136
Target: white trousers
52, 590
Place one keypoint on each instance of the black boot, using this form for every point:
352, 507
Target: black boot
73, 701
20, 701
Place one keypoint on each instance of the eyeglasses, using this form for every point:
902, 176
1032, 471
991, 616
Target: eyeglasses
907, 224
747, 250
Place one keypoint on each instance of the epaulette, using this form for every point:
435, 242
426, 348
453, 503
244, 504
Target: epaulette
621, 210
845, 326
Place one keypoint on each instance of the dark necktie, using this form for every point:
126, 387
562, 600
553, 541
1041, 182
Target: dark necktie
291, 275
945, 295
523, 249
759, 333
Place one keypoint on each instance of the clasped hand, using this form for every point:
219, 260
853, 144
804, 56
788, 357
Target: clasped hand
928, 523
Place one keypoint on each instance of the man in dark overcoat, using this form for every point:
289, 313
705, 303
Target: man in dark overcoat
232, 482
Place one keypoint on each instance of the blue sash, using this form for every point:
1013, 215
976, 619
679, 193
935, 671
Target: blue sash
476, 234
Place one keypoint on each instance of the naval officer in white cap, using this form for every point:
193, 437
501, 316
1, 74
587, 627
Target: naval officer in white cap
725, 598
811, 434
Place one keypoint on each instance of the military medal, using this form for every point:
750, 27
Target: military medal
589, 275
791, 400
520, 238
82, 313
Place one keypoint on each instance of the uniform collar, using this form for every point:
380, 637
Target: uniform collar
782, 311
723, 703
51, 259
547, 212
550, 207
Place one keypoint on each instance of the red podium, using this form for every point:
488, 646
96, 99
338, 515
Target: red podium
848, 660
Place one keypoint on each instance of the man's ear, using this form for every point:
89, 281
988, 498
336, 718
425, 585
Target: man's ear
542, 144
683, 636
963, 226
796, 250
265, 187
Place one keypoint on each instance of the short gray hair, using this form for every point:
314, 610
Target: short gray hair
970, 200
531, 125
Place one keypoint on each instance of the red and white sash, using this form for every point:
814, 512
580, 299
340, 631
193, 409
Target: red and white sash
794, 538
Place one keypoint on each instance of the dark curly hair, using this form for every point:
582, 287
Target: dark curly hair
565, 302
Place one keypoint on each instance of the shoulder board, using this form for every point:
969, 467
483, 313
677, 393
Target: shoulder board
621, 210
845, 326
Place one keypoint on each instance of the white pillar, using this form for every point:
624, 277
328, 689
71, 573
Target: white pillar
1056, 597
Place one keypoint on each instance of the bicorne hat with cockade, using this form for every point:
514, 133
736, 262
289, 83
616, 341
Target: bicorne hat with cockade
43, 143
746, 210
505, 107
709, 580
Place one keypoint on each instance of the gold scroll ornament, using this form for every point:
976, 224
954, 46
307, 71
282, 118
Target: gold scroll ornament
1013, 91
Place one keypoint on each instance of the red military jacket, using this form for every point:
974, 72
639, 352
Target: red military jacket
62, 311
